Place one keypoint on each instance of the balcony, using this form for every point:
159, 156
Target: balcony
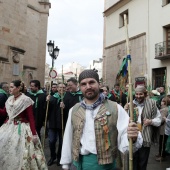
162, 50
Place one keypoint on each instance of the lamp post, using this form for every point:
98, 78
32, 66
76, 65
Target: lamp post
54, 54
53, 51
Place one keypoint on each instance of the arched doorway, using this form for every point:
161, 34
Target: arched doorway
30, 77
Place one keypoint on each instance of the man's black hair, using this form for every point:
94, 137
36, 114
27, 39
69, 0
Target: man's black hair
36, 83
72, 79
54, 84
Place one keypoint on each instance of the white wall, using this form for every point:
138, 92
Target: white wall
144, 16
159, 17
137, 22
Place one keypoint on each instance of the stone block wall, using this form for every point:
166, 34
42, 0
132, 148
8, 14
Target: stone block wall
23, 32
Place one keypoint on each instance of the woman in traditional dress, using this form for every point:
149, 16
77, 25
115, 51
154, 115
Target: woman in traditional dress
20, 147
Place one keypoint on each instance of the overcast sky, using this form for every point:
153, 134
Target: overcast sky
76, 26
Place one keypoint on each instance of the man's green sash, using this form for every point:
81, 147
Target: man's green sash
58, 96
35, 94
88, 162
3, 92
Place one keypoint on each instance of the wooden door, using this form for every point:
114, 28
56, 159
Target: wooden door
158, 77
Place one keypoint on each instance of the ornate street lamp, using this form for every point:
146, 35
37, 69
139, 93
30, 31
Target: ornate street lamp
54, 54
53, 51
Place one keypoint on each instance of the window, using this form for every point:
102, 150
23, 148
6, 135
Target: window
121, 18
158, 77
165, 2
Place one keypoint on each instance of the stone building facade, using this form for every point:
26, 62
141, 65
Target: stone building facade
115, 54
149, 39
23, 33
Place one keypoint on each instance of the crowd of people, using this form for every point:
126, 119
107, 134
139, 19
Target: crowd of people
157, 120
90, 122
161, 101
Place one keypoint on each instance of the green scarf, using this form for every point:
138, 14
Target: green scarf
77, 92
3, 92
109, 95
156, 98
58, 96
35, 94
117, 93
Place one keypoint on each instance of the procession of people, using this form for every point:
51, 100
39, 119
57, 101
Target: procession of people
88, 120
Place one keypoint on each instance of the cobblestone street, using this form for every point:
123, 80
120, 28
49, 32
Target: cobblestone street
47, 155
154, 165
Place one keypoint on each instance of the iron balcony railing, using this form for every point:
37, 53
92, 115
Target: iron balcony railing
162, 49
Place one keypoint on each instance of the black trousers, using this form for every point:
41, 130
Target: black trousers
53, 135
162, 142
140, 158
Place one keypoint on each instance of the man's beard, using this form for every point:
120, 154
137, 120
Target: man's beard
140, 100
91, 96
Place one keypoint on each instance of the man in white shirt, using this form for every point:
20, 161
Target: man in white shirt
148, 118
96, 128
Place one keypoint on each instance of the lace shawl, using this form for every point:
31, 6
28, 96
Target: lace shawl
15, 107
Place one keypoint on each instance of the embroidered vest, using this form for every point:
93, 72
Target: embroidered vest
78, 119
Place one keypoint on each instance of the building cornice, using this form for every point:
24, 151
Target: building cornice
121, 42
29, 67
18, 50
45, 3
36, 9
115, 7
4, 60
